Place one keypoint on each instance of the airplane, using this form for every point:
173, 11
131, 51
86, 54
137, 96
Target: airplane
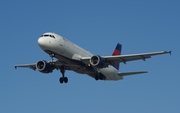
70, 56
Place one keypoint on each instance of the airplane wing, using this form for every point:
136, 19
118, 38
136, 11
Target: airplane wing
131, 57
126, 58
31, 66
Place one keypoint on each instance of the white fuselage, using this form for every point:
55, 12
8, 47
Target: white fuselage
70, 54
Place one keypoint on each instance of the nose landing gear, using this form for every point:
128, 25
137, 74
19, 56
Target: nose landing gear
62, 70
52, 55
63, 78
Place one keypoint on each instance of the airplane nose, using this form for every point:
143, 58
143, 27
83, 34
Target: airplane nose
41, 42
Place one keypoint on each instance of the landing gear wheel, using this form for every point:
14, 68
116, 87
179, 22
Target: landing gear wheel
61, 80
96, 77
65, 79
101, 77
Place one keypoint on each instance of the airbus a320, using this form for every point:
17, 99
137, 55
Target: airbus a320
69, 56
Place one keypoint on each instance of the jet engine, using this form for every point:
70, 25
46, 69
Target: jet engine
44, 67
98, 61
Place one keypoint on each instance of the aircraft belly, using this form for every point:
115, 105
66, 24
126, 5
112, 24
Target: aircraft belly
74, 65
79, 70
110, 72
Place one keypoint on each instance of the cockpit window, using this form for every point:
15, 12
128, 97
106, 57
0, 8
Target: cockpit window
52, 36
46, 35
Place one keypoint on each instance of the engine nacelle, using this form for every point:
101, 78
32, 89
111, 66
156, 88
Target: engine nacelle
44, 67
98, 61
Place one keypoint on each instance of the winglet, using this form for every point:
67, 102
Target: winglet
170, 52
15, 67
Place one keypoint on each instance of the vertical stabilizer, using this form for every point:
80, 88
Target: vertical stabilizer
117, 51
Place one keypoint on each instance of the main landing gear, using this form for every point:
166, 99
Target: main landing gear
100, 76
63, 78
62, 70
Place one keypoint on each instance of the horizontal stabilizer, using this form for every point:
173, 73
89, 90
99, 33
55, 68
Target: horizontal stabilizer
131, 73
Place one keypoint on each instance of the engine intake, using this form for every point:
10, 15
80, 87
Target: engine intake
44, 67
98, 61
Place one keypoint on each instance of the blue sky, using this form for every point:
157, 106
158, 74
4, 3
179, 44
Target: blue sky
96, 25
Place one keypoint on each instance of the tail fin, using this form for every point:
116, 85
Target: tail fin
117, 51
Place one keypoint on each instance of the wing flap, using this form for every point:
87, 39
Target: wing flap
131, 73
